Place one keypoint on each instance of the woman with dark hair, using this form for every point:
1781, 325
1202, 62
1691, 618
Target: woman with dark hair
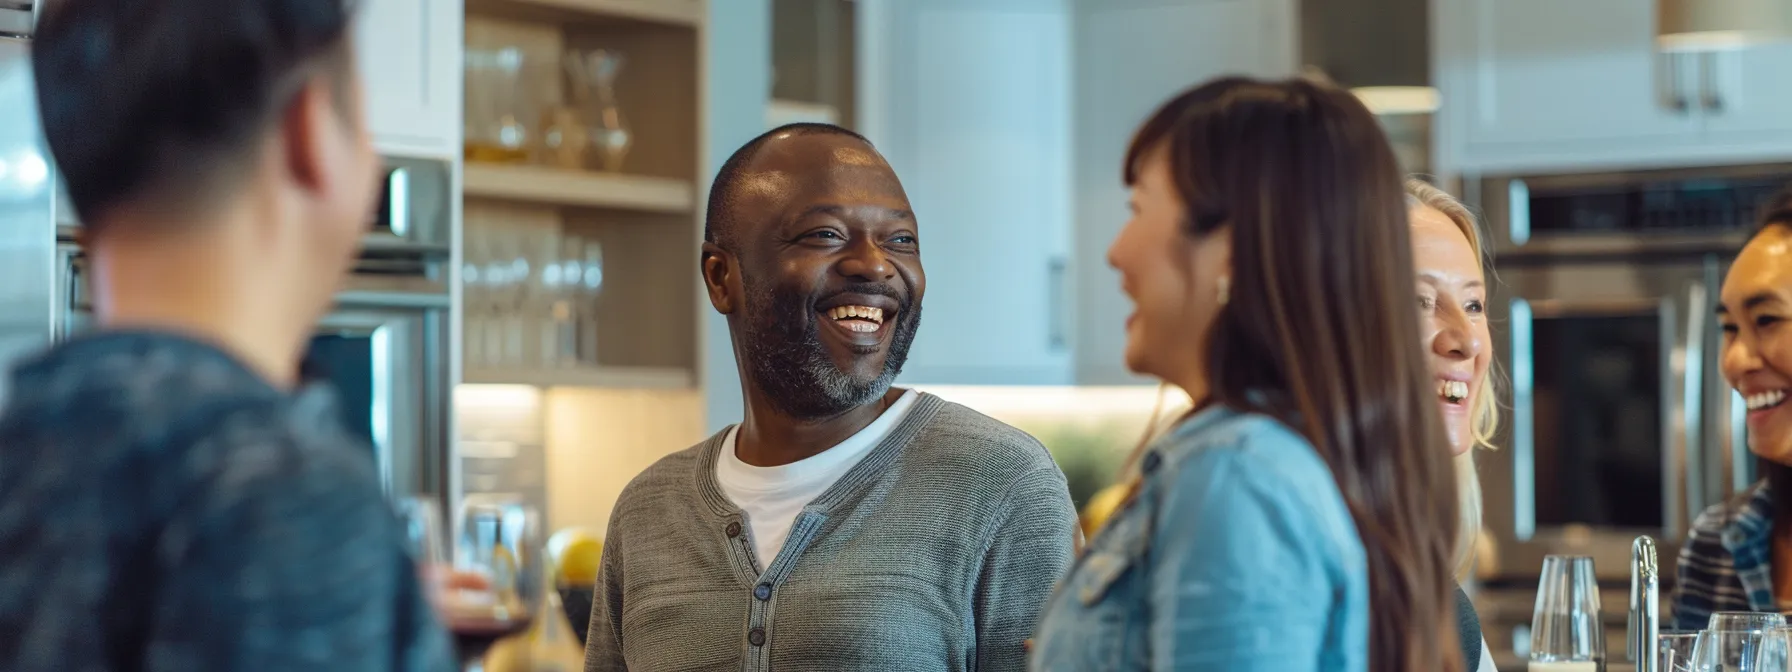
1738, 556
1301, 517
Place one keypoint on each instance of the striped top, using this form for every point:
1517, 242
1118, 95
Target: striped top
935, 552
1726, 562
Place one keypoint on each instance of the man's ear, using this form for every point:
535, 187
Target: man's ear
719, 269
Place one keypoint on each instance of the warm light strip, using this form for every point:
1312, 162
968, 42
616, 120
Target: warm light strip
1069, 401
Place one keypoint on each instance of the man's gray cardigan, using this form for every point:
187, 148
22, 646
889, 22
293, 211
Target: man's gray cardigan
936, 552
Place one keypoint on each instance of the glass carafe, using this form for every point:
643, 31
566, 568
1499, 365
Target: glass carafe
593, 77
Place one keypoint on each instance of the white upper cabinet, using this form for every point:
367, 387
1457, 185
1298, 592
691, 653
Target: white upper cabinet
1547, 85
1007, 120
1132, 56
970, 102
1746, 100
410, 57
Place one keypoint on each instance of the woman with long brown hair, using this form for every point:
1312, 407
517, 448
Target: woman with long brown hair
1302, 516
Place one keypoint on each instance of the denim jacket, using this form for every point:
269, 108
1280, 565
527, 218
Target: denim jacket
1236, 554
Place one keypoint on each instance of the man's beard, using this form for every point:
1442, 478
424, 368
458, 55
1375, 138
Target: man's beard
786, 359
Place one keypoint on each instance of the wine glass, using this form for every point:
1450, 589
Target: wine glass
422, 524
591, 286
1728, 650
1745, 620
500, 540
1676, 650
1566, 632
1775, 654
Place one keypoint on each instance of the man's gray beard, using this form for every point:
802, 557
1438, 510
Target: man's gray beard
786, 359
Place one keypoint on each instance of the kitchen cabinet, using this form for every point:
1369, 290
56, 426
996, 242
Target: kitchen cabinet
410, 59
970, 102
1132, 55
1543, 85
1007, 121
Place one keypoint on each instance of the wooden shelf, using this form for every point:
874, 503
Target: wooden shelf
676, 13
606, 376
554, 186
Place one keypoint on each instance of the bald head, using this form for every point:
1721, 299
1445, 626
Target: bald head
804, 147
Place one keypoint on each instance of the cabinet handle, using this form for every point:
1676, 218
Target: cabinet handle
1674, 89
1056, 337
1709, 92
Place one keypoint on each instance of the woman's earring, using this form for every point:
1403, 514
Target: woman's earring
1225, 290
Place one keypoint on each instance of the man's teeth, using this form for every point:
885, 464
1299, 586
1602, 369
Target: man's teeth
863, 319
1761, 400
1452, 391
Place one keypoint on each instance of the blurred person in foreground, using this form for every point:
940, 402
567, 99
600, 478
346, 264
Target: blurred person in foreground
1301, 517
1738, 555
171, 496
844, 524
1452, 285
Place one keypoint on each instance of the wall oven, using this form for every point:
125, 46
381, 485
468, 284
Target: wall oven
1604, 315
384, 347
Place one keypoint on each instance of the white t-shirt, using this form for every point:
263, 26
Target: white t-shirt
774, 496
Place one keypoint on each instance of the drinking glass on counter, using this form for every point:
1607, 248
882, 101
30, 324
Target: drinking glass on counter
1728, 651
1566, 633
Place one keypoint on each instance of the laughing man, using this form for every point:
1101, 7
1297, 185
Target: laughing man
844, 524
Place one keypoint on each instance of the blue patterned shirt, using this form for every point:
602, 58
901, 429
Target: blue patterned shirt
163, 508
1726, 562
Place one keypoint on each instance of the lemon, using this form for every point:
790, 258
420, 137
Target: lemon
577, 556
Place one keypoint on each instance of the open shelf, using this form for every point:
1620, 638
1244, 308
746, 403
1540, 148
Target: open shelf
631, 377
559, 187
674, 13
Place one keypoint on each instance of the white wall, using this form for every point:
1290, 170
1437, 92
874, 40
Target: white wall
740, 83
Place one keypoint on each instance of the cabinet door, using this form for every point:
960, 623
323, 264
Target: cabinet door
1747, 102
1546, 83
1132, 56
970, 102
410, 56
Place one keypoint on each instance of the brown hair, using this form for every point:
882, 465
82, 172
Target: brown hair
1320, 330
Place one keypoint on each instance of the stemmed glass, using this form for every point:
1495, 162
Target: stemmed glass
590, 287
1775, 654
563, 283
1733, 641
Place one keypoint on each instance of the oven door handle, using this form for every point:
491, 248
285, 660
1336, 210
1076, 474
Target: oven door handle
1686, 461
1524, 431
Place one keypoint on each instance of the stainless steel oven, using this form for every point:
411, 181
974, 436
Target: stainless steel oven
1647, 211
1620, 422
384, 347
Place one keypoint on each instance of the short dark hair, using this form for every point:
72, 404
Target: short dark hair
166, 99
718, 220
1775, 211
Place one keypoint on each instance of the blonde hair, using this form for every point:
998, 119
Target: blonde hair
1484, 418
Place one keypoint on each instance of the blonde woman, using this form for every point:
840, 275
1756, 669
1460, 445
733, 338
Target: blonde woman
1452, 286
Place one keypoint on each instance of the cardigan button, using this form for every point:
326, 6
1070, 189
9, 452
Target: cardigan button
763, 591
756, 637
733, 530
